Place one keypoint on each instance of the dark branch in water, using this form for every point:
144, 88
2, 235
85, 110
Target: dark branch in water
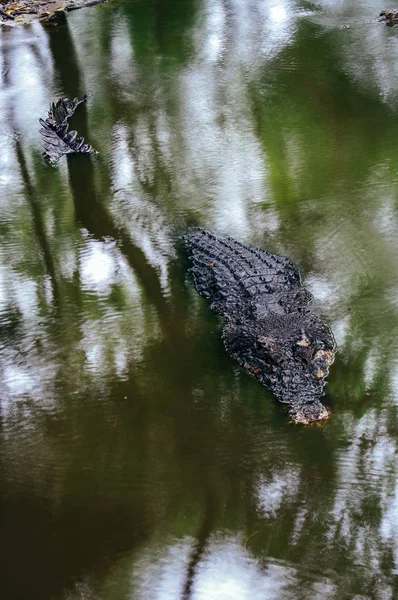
201, 543
6, 16
57, 140
63, 109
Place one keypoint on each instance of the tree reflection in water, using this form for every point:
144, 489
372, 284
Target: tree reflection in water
136, 459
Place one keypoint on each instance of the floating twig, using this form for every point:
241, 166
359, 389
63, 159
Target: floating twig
248, 538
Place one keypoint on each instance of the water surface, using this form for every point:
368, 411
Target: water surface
136, 458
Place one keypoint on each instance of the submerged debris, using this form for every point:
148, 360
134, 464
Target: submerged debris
389, 17
57, 140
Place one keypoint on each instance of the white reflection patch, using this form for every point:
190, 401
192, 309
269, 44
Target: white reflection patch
122, 55
19, 381
341, 330
213, 31
123, 162
98, 267
95, 355
159, 575
322, 290
241, 178
278, 490
370, 369
224, 159
371, 59
121, 358
88, 39
26, 297
271, 219
3, 291
226, 571
133, 210
8, 171
28, 76
389, 526
277, 22
68, 265
278, 13
106, 338
394, 382
367, 470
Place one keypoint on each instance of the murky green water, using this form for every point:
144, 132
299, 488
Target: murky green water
136, 458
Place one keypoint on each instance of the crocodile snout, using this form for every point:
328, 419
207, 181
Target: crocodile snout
309, 413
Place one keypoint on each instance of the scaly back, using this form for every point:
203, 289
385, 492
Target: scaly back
232, 275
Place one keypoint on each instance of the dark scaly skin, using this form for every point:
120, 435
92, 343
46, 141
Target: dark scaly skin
269, 328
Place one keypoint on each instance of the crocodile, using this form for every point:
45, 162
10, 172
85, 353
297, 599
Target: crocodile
269, 328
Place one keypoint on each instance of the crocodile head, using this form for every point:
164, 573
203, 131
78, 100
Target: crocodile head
296, 365
290, 354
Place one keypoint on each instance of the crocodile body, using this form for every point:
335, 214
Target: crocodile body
269, 328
